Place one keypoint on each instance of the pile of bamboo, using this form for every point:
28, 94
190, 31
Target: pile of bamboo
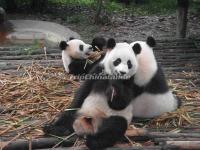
30, 100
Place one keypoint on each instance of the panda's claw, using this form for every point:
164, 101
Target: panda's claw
92, 143
55, 130
97, 143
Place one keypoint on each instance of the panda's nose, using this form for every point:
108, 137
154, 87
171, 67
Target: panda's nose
122, 72
88, 120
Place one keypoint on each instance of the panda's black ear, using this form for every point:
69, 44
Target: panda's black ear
111, 43
136, 48
151, 41
98, 43
71, 38
63, 45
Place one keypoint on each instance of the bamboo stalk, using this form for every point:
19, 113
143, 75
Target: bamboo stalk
36, 143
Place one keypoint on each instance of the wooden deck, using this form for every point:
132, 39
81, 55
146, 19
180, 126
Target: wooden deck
181, 62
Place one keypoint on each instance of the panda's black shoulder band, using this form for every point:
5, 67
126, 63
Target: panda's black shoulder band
63, 45
151, 41
111, 43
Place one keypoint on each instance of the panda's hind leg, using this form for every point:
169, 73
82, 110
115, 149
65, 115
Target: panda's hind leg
62, 125
111, 130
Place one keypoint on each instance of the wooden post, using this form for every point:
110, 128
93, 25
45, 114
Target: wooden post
182, 11
98, 12
2, 15
11, 6
38, 5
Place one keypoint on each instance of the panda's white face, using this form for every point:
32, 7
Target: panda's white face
120, 60
78, 49
147, 65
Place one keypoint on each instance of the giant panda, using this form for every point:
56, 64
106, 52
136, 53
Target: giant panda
154, 96
101, 125
75, 53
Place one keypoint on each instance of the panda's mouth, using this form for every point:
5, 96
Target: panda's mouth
88, 54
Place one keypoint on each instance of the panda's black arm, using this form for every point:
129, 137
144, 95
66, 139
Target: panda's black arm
81, 94
86, 87
63, 124
110, 132
120, 94
77, 67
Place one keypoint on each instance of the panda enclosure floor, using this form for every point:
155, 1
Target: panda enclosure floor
177, 130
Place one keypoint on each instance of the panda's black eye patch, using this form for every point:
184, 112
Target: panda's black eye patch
117, 62
81, 47
129, 64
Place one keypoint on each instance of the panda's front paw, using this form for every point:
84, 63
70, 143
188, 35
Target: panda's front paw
117, 95
115, 99
60, 126
56, 130
117, 104
98, 142
92, 143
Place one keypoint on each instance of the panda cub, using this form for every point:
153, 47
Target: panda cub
75, 53
101, 125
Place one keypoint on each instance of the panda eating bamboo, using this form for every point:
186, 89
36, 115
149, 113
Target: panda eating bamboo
76, 54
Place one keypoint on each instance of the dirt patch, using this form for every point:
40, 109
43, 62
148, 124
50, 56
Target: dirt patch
124, 27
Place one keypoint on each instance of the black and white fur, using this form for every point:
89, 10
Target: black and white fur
75, 53
98, 43
95, 119
154, 97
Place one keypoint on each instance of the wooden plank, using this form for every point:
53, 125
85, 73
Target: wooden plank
175, 47
175, 139
15, 52
182, 18
65, 148
177, 51
184, 145
37, 143
112, 148
14, 65
35, 57
173, 135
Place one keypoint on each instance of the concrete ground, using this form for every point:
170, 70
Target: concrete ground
27, 31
